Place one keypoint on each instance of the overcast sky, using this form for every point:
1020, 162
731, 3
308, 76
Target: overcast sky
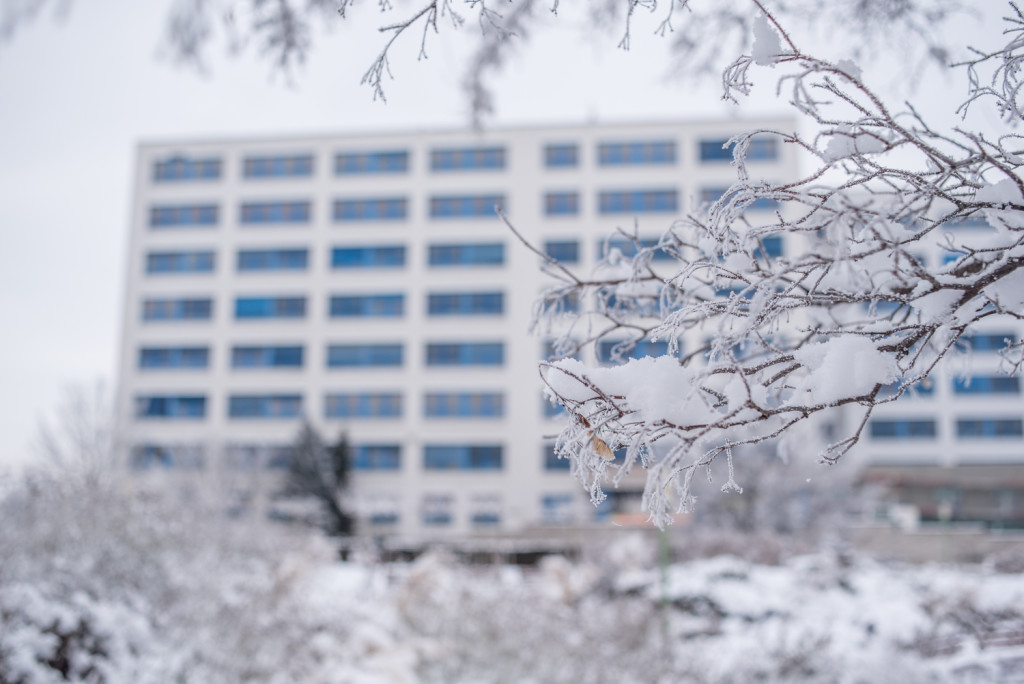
77, 95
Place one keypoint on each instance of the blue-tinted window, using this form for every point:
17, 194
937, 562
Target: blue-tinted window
464, 405
924, 388
360, 306
989, 428
632, 153
466, 354
988, 342
265, 406
363, 405
363, 355
267, 356
172, 216
987, 384
637, 201
184, 169
561, 203
465, 158
200, 261
465, 303
174, 357
561, 155
281, 166
710, 195
395, 161
383, 209
467, 254
437, 509
629, 248
275, 212
551, 459
270, 307
273, 259
921, 428
563, 251
606, 350
377, 457
177, 309
557, 509
462, 457
149, 456
380, 256
772, 246
466, 206
171, 406
760, 149
552, 409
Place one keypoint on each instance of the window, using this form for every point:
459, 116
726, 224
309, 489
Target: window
177, 309
466, 158
989, 428
629, 248
557, 509
988, 342
466, 354
250, 456
378, 256
485, 510
184, 169
464, 405
278, 166
631, 153
710, 195
348, 163
466, 206
180, 262
561, 203
471, 254
183, 215
265, 406
273, 259
903, 429
437, 509
174, 357
377, 457
367, 306
637, 201
552, 409
465, 304
386, 209
552, 460
561, 155
606, 350
923, 388
363, 355
267, 357
183, 456
275, 212
270, 307
987, 384
170, 406
462, 457
563, 251
363, 405
760, 149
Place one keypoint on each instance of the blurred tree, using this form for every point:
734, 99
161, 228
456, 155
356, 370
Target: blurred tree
321, 473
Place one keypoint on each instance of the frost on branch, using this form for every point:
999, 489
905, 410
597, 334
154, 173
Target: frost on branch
856, 309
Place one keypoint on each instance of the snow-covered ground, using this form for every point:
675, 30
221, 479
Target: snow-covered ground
100, 585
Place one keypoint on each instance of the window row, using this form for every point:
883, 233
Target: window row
966, 428
562, 203
384, 305
490, 157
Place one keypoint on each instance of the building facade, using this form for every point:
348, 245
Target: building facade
366, 284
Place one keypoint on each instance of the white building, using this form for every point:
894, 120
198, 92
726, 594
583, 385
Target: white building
364, 283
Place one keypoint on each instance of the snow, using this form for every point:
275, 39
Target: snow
844, 366
846, 141
767, 47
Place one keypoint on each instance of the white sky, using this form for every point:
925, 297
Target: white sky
76, 96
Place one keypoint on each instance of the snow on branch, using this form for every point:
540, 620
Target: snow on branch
759, 341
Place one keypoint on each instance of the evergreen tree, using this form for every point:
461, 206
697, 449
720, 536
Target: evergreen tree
321, 473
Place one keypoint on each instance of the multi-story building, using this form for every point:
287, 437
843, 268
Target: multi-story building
364, 283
